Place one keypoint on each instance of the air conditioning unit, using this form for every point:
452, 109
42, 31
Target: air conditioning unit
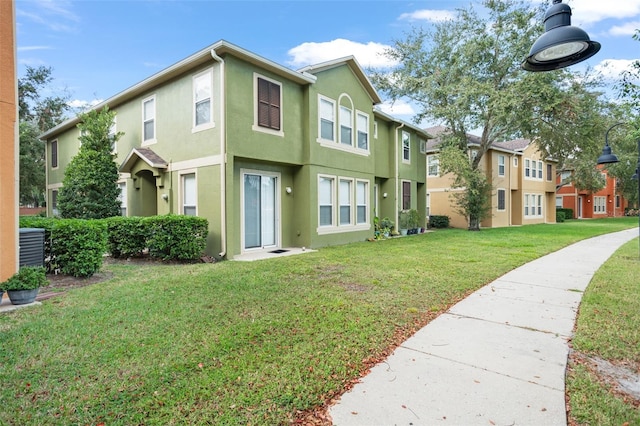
31, 247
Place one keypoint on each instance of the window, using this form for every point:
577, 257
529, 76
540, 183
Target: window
617, 201
327, 119
149, 120
406, 195
361, 202
502, 199
325, 200
500, 165
433, 165
269, 101
406, 147
565, 177
345, 201
122, 197
346, 126
54, 202
539, 170
527, 168
54, 154
599, 205
189, 194
202, 88
549, 173
532, 205
558, 202
362, 126
515, 161
539, 212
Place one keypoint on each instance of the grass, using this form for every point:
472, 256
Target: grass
245, 343
607, 328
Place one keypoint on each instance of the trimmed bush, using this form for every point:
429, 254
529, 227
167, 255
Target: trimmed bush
176, 237
568, 213
438, 221
126, 236
559, 216
78, 246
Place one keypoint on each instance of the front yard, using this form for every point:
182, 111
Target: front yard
265, 342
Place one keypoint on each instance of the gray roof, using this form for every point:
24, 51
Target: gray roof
513, 146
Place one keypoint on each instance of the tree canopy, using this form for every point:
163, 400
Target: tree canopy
90, 185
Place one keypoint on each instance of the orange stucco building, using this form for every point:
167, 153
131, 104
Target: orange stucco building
8, 143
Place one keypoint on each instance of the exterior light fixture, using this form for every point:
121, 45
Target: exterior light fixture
561, 45
609, 157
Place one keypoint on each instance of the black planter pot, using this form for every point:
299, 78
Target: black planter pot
22, 297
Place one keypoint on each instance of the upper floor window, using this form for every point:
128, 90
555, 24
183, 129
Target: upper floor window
501, 168
149, 120
327, 119
433, 165
268, 104
54, 154
362, 126
346, 126
539, 169
406, 147
515, 161
202, 90
527, 168
565, 177
549, 172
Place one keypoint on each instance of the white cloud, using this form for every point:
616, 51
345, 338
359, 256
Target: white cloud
30, 48
627, 29
586, 12
80, 104
399, 107
368, 55
54, 14
612, 68
429, 15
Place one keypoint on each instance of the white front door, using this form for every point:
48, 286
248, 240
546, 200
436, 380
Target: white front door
259, 209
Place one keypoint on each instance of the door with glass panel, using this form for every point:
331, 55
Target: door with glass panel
260, 213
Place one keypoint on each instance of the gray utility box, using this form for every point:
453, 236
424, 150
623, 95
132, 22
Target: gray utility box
31, 247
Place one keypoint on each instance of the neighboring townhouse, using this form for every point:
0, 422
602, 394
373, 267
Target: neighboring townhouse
585, 204
272, 157
523, 183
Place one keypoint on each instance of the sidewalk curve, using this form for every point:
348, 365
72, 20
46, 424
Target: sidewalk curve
497, 357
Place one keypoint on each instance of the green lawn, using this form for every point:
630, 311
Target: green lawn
608, 328
246, 343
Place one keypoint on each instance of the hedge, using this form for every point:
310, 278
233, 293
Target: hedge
568, 213
174, 237
436, 221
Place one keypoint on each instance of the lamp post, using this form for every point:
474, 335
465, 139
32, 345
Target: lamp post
562, 44
609, 157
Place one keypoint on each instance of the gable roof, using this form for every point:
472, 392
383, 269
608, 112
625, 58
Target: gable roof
145, 154
355, 67
516, 146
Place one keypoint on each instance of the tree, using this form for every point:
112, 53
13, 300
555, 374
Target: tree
90, 189
466, 74
37, 114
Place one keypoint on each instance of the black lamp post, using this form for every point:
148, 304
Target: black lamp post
561, 45
609, 157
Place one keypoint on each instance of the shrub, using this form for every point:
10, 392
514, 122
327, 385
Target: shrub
436, 221
27, 278
568, 213
126, 236
174, 237
559, 216
78, 246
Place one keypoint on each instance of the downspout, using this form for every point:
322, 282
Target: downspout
397, 175
223, 159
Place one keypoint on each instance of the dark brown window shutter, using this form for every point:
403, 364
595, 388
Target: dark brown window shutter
268, 104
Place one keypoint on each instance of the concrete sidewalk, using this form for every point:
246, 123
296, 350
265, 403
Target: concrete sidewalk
496, 358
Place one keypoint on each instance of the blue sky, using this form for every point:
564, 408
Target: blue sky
99, 48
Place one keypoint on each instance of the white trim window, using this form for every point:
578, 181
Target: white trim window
362, 128
502, 200
433, 165
532, 205
501, 165
599, 205
362, 196
345, 194
327, 119
406, 147
122, 197
527, 168
540, 177
326, 191
189, 194
202, 100
149, 120
346, 126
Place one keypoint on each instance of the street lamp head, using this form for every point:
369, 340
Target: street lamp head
607, 156
561, 45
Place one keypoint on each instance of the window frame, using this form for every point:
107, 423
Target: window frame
209, 124
501, 165
122, 197
332, 197
365, 131
406, 147
54, 155
405, 194
338, 202
257, 126
365, 204
501, 200
152, 140
349, 199
533, 206
323, 99
599, 204
182, 175
433, 161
